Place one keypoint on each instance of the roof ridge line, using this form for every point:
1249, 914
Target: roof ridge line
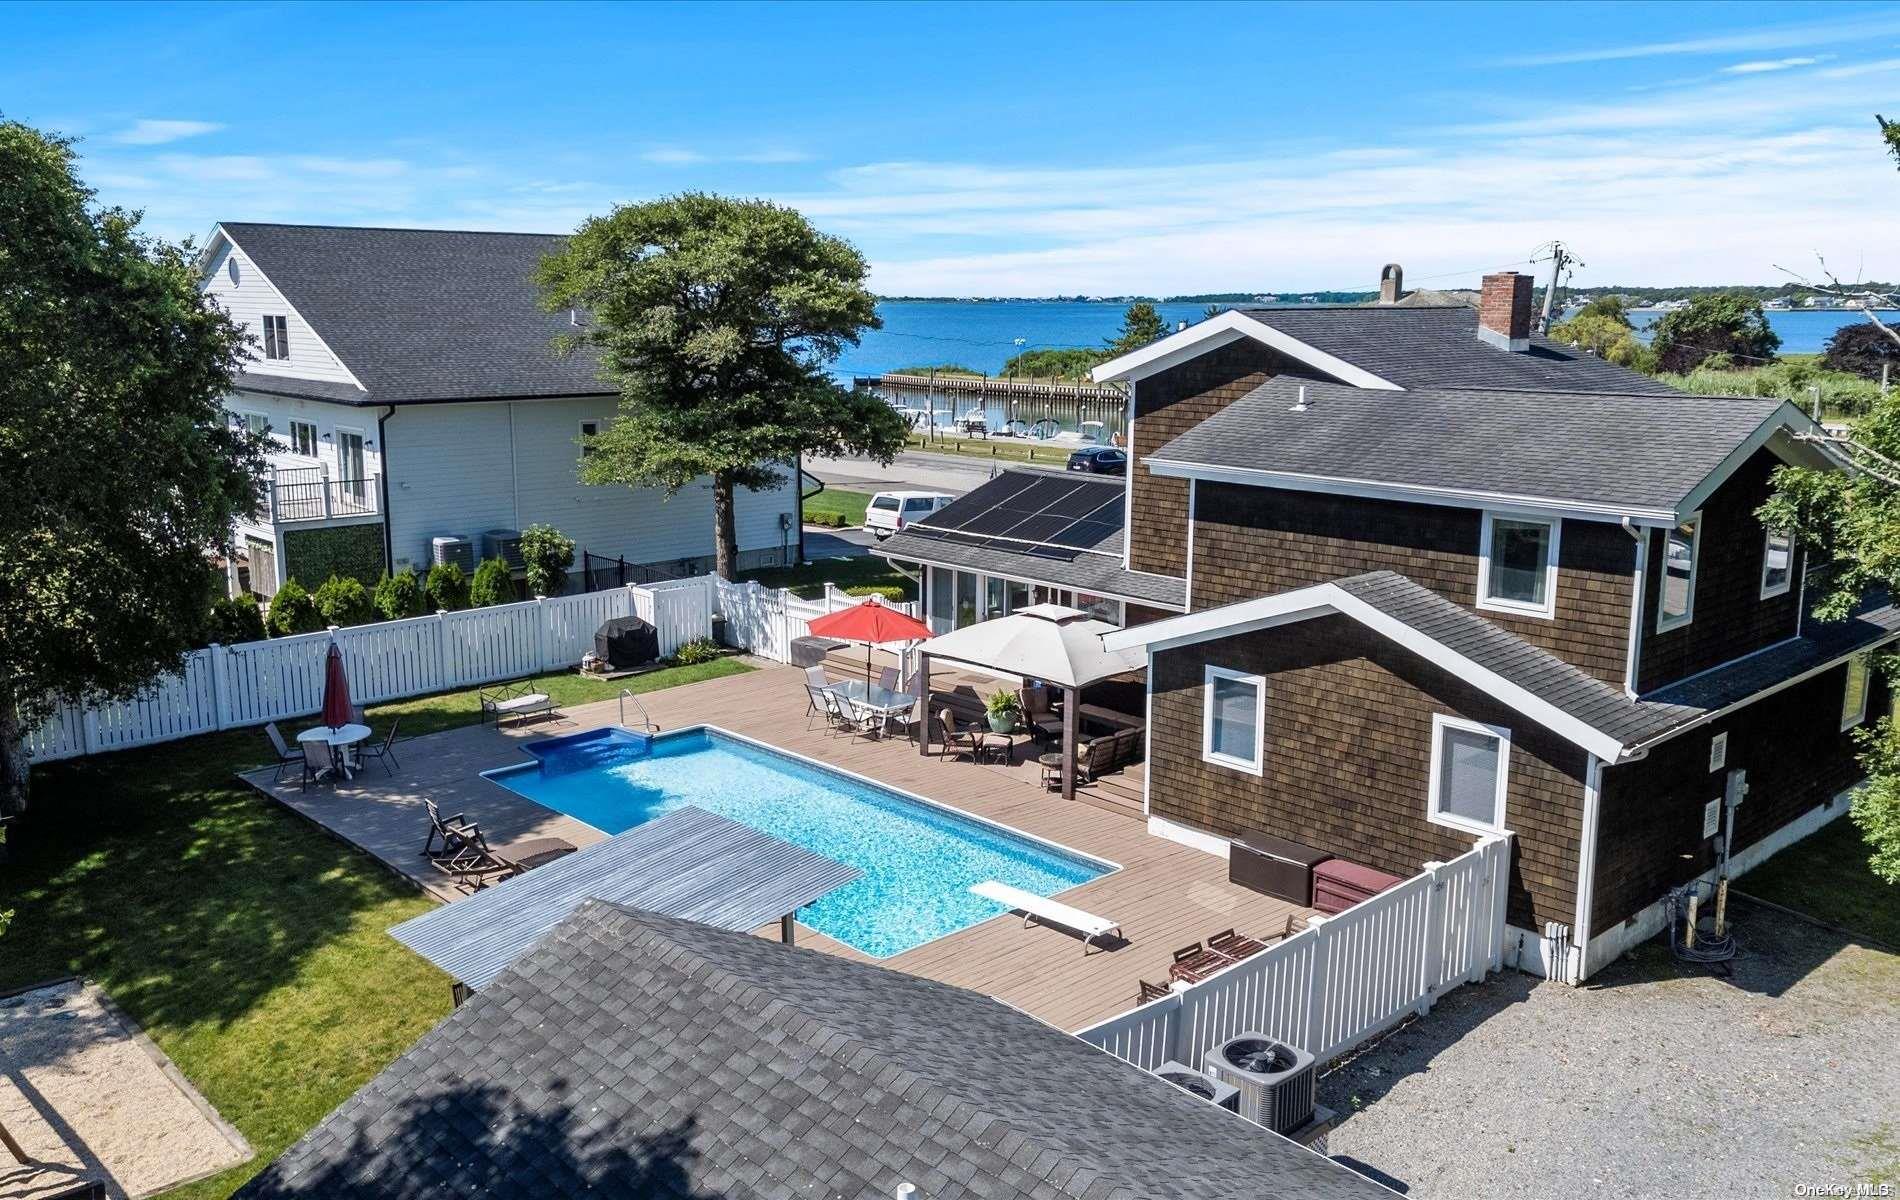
391, 228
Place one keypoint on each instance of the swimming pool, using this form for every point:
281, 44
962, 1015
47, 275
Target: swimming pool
918, 858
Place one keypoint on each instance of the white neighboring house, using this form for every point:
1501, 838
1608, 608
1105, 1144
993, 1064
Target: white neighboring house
408, 381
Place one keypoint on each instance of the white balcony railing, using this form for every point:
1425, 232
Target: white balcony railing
306, 494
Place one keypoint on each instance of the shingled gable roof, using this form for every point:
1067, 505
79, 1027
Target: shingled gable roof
1638, 455
419, 315
635, 1055
1390, 347
1575, 705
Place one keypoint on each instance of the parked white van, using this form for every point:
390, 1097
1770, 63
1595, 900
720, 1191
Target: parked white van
890, 512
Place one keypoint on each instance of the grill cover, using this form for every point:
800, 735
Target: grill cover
626, 642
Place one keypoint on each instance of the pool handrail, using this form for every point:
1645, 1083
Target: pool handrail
647, 723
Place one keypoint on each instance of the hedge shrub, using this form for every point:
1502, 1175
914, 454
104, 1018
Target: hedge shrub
493, 584
292, 611
400, 595
448, 586
236, 619
343, 600
548, 554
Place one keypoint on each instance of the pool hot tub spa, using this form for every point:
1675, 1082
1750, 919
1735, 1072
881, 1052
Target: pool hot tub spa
919, 859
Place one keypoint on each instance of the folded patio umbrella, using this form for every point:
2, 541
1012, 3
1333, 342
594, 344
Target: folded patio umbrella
871, 622
336, 689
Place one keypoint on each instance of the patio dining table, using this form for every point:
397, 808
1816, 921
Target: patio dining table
880, 702
338, 744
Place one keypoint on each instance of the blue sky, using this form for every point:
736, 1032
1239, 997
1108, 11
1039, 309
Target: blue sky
1018, 149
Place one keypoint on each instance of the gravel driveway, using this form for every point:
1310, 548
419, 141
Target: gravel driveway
1655, 1080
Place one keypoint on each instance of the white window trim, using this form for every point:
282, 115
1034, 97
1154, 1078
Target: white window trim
244, 416
1208, 753
1665, 622
316, 437
276, 337
1548, 609
1860, 662
1767, 543
1440, 723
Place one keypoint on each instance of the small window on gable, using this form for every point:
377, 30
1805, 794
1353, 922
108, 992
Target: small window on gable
303, 438
1470, 767
1676, 603
589, 430
252, 422
1777, 564
276, 337
1234, 719
1854, 695
1517, 565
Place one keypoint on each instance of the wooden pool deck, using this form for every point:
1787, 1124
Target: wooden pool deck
1165, 894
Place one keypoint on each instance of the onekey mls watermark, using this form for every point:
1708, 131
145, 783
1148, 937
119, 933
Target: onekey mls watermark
1864, 1190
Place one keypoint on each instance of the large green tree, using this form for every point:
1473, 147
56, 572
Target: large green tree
121, 470
1729, 324
1141, 324
717, 319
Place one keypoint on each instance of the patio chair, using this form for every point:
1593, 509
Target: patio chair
1040, 715
1150, 992
815, 677
1295, 923
838, 714
286, 757
1195, 963
887, 679
383, 752
817, 704
454, 831
1236, 945
957, 740
358, 716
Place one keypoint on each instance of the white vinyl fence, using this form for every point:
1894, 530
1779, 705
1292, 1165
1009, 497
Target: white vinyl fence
1344, 979
228, 687
765, 621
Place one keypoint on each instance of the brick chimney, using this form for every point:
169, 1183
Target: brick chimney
1391, 284
1504, 311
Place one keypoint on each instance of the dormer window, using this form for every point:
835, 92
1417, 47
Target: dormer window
1676, 606
1517, 565
276, 337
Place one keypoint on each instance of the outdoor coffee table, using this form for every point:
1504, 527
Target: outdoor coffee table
338, 742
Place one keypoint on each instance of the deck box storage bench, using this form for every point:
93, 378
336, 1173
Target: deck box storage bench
1338, 884
1274, 866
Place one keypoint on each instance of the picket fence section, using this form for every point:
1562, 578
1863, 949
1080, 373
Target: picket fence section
228, 687
765, 621
1343, 979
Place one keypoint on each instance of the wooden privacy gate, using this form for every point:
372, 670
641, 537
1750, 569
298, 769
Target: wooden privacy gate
1343, 979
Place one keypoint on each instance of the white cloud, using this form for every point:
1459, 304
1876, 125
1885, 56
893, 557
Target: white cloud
157, 133
1780, 37
1760, 66
679, 156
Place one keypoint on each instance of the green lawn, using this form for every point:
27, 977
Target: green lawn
1825, 875
860, 576
249, 945
838, 502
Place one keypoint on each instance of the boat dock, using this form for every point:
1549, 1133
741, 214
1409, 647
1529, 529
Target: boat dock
996, 385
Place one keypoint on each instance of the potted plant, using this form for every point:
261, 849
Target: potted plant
1004, 709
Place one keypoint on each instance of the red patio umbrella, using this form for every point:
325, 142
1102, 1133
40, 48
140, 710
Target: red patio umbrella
336, 689
871, 622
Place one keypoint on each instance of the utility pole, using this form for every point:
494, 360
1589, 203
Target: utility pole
1561, 260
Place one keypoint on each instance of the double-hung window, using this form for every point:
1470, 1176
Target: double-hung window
1777, 564
590, 429
1854, 696
1470, 766
253, 422
1234, 719
276, 337
1517, 565
303, 438
1676, 604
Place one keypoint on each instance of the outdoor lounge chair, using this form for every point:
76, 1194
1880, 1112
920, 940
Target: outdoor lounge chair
1049, 912
1195, 963
286, 757
453, 831
475, 864
385, 751
957, 740
1235, 945
1040, 715
517, 700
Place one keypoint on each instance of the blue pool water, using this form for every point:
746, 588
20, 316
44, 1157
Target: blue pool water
918, 860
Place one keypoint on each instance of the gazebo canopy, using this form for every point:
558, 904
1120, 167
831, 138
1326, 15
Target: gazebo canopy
1059, 645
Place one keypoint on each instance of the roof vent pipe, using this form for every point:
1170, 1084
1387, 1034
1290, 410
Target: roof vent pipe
1300, 404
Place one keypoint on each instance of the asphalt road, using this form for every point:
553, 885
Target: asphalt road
912, 470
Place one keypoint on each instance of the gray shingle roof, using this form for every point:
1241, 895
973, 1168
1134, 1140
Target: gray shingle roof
1092, 564
636, 1055
1432, 346
424, 314
1596, 703
1639, 452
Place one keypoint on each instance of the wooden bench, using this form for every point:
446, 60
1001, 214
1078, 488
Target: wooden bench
1049, 912
518, 700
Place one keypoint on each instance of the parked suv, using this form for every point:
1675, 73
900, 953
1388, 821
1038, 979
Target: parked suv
1099, 460
890, 512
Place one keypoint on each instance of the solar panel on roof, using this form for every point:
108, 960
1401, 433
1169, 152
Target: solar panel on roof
1043, 527
1088, 534
1078, 503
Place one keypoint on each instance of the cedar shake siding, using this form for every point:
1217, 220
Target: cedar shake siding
1348, 758
1729, 617
1650, 811
1253, 541
1167, 405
